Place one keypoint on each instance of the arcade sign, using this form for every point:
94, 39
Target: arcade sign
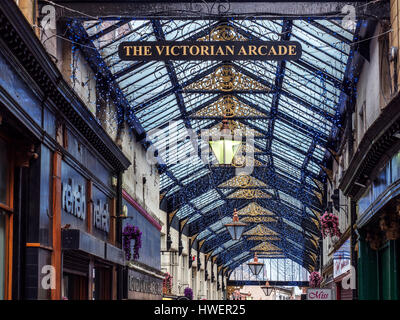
209, 50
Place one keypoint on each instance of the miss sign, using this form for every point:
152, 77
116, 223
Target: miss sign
319, 294
210, 50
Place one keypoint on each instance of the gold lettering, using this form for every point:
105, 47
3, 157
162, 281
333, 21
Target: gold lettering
212, 50
260, 52
272, 49
204, 50
167, 48
252, 51
230, 49
173, 50
160, 50
280, 50
185, 50
127, 48
192, 52
292, 50
147, 51
242, 51
220, 51
137, 51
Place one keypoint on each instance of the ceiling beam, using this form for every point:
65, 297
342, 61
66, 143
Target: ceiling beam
197, 9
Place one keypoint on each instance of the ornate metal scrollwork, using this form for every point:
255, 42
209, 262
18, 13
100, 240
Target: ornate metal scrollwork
226, 79
260, 219
260, 230
242, 181
266, 247
253, 209
249, 194
228, 106
223, 33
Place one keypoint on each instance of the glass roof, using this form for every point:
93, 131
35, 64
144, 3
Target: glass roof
298, 115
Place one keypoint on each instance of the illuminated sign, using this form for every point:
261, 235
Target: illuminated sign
210, 50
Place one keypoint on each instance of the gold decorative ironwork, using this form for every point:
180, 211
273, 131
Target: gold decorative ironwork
259, 219
236, 127
316, 222
201, 242
260, 230
245, 161
314, 241
319, 184
262, 238
319, 196
223, 33
266, 246
171, 215
242, 181
182, 224
254, 209
249, 194
317, 214
248, 149
226, 79
228, 106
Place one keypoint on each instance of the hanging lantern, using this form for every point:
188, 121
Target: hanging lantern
255, 266
235, 228
267, 289
225, 148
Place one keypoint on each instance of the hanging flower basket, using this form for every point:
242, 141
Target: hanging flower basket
315, 279
131, 233
330, 225
188, 292
167, 284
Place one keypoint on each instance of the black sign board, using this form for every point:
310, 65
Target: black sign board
210, 50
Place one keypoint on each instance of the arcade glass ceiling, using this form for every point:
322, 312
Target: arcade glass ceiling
291, 108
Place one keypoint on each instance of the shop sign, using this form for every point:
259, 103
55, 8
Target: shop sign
209, 50
74, 203
341, 259
144, 284
319, 294
73, 199
101, 216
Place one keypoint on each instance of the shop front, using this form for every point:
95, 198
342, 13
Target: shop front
142, 274
379, 229
60, 180
90, 257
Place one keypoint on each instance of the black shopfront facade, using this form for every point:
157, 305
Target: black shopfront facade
60, 180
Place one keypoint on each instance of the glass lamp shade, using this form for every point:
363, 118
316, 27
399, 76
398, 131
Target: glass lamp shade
255, 266
267, 289
224, 150
235, 228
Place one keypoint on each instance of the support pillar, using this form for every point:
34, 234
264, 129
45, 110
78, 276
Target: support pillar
56, 254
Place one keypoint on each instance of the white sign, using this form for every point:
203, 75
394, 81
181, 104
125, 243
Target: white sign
319, 294
342, 259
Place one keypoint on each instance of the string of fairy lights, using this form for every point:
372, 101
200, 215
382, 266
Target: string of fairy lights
322, 90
